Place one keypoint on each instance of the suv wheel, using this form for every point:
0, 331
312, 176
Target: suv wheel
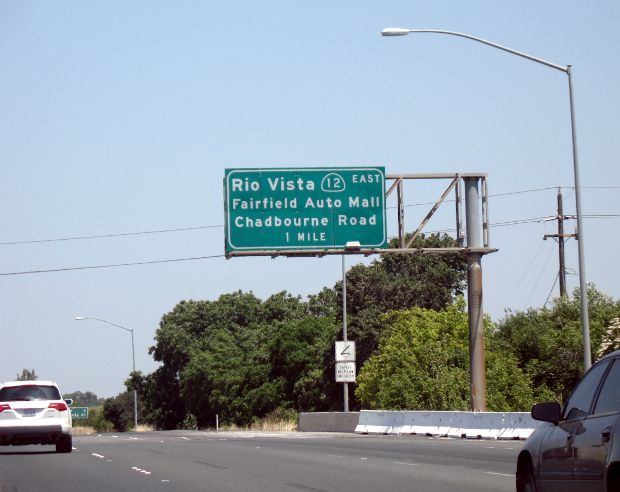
64, 444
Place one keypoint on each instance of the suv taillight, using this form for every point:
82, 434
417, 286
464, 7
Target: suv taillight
4, 406
61, 407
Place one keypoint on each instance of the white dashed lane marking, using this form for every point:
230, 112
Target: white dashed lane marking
406, 464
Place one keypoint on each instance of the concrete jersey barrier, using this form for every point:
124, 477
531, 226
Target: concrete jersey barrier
383, 422
427, 423
476, 425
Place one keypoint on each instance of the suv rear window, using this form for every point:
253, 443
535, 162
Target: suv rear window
30, 392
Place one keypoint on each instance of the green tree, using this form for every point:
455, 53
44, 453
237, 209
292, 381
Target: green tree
548, 342
119, 411
27, 375
229, 376
324, 304
160, 394
86, 399
422, 364
236, 357
300, 351
181, 333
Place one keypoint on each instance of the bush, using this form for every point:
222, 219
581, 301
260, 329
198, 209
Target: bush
119, 411
190, 422
422, 364
95, 420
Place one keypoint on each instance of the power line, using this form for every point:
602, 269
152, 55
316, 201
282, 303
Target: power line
182, 229
520, 192
542, 271
100, 236
557, 276
195, 258
490, 196
113, 265
526, 271
597, 187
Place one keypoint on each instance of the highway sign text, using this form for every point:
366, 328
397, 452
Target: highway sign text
304, 208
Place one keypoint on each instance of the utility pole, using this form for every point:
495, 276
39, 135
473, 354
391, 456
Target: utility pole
562, 273
560, 237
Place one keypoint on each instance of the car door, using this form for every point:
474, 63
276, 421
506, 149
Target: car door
556, 452
592, 446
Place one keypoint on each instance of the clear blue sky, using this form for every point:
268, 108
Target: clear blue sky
120, 117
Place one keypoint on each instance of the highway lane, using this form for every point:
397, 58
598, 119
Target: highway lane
186, 461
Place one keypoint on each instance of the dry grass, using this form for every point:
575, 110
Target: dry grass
83, 430
91, 430
276, 426
265, 426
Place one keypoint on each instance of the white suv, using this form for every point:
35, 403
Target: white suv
33, 412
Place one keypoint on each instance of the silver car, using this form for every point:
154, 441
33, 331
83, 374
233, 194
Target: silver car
578, 446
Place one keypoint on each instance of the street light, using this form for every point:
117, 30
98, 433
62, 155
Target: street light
585, 323
133, 360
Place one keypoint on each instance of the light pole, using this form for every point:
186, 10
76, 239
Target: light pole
585, 323
133, 360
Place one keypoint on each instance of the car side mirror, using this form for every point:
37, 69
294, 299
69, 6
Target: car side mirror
69, 401
547, 412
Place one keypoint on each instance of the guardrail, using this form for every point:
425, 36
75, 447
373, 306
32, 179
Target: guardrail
476, 425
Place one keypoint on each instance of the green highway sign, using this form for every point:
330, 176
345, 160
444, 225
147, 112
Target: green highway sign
79, 413
292, 209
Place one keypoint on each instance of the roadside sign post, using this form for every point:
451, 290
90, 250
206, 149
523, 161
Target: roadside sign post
345, 367
345, 372
345, 351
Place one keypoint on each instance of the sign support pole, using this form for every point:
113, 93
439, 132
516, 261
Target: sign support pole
345, 388
477, 379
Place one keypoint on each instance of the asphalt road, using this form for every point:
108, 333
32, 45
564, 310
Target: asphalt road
186, 461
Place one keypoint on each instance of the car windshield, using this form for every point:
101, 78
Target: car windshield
31, 392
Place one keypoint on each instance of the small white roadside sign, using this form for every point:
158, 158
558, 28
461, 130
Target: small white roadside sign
345, 372
345, 351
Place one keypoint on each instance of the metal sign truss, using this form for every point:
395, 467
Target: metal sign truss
455, 185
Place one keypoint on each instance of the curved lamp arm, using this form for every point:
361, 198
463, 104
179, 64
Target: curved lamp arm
397, 31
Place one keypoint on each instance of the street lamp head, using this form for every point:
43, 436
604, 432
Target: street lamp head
352, 245
79, 317
394, 31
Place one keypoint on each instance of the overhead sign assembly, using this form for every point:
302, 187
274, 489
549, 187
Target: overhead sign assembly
341, 210
302, 209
